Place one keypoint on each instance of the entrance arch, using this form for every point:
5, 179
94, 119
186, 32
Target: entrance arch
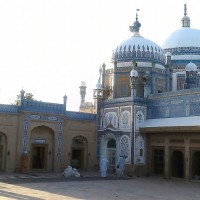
79, 152
111, 153
3, 150
177, 164
42, 149
196, 165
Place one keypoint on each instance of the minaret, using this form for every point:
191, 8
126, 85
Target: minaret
98, 100
22, 92
103, 74
98, 93
83, 91
65, 101
185, 20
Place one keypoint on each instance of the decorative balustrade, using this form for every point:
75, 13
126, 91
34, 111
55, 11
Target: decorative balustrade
8, 108
44, 107
39, 106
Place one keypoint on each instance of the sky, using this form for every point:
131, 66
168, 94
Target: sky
48, 47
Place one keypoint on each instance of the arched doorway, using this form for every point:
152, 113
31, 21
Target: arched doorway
3, 149
111, 153
42, 149
177, 164
79, 152
196, 165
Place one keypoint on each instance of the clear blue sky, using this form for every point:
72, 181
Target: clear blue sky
48, 47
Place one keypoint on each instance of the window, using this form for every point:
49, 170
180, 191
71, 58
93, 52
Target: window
158, 161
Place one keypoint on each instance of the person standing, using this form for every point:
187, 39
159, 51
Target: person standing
121, 164
103, 166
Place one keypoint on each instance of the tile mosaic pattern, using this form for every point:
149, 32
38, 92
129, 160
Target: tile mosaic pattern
8, 109
45, 108
174, 104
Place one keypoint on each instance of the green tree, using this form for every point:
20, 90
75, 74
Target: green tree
27, 96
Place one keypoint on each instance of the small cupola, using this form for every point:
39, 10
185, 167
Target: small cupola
185, 20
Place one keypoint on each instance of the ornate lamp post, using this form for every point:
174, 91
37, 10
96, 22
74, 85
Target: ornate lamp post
133, 81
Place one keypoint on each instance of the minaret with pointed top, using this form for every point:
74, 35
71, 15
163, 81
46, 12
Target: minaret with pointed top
98, 100
136, 26
83, 91
65, 101
22, 92
185, 20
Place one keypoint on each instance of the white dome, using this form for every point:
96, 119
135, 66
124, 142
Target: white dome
138, 48
139, 42
184, 37
191, 67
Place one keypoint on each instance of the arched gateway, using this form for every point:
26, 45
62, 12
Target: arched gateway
80, 152
111, 153
42, 149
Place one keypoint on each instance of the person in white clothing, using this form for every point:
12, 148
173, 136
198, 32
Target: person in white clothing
121, 164
103, 166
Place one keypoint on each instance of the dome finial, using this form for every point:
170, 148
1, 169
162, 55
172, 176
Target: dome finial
185, 20
136, 18
136, 25
185, 9
100, 73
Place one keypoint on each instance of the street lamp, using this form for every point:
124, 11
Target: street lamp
133, 80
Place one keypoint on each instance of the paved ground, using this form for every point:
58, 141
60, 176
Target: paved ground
56, 187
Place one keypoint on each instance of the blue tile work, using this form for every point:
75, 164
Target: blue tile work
11, 109
126, 100
25, 134
181, 103
147, 54
184, 62
48, 108
59, 150
183, 50
39, 106
80, 116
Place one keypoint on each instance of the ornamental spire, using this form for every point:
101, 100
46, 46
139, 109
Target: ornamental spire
136, 25
185, 9
185, 20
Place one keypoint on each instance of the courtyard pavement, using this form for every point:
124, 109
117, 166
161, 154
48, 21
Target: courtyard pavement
92, 187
